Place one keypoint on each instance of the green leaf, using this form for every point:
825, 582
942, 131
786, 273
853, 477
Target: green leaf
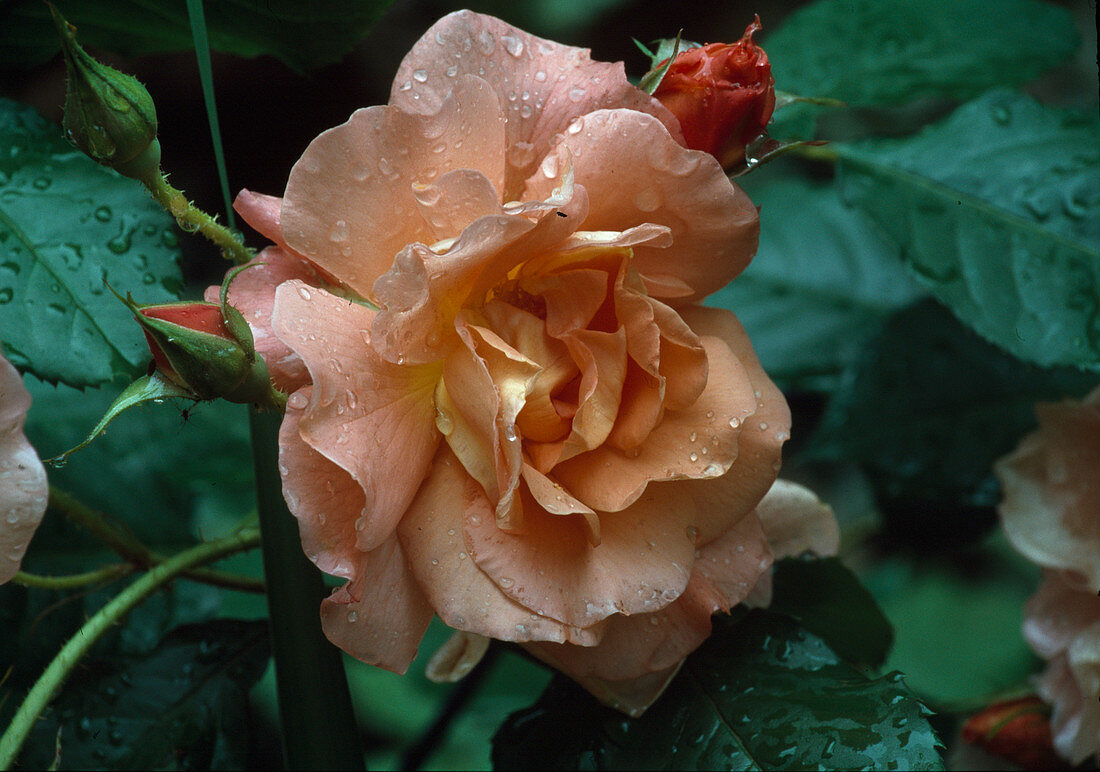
761, 693
829, 601
183, 706
880, 52
147, 388
997, 210
926, 411
68, 226
303, 35
164, 471
816, 289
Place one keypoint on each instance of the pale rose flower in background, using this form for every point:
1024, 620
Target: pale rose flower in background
540, 437
1051, 513
23, 487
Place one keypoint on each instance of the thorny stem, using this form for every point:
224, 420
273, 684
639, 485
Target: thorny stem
126, 546
73, 581
50, 681
192, 219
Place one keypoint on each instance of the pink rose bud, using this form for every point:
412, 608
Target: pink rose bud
723, 94
205, 349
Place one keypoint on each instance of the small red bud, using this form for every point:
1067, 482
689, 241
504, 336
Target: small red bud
723, 95
1017, 731
196, 317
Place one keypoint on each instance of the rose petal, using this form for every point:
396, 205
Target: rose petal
455, 200
797, 521
632, 696
1058, 613
760, 444
253, 294
461, 594
457, 657
424, 290
539, 420
23, 486
701, 441
635, 646
641, 565
370, 417
601, 358
261, 211
380, 617
324, 497
1051, 491
541, 84
349, 203
484, 385
634, 172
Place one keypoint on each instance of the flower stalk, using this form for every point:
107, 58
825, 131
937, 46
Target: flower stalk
318, 721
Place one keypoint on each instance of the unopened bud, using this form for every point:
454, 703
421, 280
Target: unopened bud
108, 115
1017, 731
723, 95
195, 347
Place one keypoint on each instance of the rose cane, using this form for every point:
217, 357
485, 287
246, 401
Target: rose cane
723, 95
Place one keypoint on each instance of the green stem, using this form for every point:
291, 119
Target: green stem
48, 684
73, 581
128, 547
192, 219
100, 526
318, 721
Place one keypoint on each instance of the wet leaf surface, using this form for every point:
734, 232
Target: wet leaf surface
997, 211
761, 693
812, 295
895, 51
179, 707
67, 227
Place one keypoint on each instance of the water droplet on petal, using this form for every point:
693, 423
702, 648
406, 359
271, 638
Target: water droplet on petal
297, 401
512, 44
576, 93
304, 293
735, 422
353, 617
339, 232
648, 199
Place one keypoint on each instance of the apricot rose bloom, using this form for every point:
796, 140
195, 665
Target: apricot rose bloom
23, 487
540, 436
1051, 513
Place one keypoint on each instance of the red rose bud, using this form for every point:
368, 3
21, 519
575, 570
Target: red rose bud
196, 348
108, 115
723, 94
1017, 731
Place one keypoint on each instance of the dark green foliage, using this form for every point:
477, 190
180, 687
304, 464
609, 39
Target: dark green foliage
812, 294
927, 410
302, 35
829, 601
761, 693
997, 210
182, 706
